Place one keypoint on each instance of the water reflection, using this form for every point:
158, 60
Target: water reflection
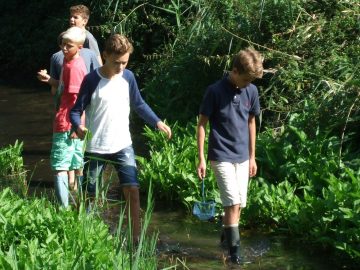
198, 243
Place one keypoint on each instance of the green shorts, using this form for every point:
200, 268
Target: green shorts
66, 153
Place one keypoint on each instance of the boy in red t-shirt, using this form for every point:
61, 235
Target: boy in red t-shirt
67, 149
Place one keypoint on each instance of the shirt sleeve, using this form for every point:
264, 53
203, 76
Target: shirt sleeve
207, 104
94, 62
55, 66
139, 105
92, 43
255, 103
82, 101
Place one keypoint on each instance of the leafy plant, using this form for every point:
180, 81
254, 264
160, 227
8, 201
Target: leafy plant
171, 167
36, 235
12, 171
307, 190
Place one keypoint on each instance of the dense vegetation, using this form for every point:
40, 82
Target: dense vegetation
308, 130
36, 234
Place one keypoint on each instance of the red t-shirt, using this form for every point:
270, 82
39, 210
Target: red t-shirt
73, 73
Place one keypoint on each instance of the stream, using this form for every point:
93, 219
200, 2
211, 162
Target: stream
26, 115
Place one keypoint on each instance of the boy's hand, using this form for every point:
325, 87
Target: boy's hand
252, 167
73, 135
43, 76
201, 169
81, 132
164, 128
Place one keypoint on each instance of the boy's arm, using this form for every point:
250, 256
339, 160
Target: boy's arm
43, 76
56, 62
142, 108
138, 104
201, 134
252, 138
99, 59
164, 128
146, 113
93, 45
76, 112
96, 62
75, 116
87, 88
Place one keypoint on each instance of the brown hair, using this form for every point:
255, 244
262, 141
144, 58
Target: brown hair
118, 44
249, 61
82, 10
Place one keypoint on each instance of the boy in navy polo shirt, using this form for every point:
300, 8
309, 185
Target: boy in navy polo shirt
230, 106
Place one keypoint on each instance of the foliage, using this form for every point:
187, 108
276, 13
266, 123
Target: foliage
11, 161
28, 42
12, 172
300, 156
308, 154
334, 216
171, 168
36, 235
306, 189
329, 220
198, 53
325, 75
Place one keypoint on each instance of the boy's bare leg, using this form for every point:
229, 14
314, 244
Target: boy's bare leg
72, 182
232, 214
78, 178
61, 187
131, 194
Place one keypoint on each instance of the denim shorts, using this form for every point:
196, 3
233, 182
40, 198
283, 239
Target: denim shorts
232, 180
66, 153
123, 161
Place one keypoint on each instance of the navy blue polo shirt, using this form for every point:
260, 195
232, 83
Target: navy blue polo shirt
228, 109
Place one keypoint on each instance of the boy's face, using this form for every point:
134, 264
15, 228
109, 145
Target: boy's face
116, 63
69, 49
77, 20
242, 80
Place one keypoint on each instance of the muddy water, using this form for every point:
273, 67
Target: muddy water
26, 115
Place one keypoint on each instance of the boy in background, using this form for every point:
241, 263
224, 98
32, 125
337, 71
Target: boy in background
106, 96
67, 149
56, 63
79, 16
230, 105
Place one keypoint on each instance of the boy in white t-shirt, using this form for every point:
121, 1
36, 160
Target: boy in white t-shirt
106, 96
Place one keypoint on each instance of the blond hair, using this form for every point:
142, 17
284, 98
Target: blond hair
249, 61
82, 10
75, 34
118, 44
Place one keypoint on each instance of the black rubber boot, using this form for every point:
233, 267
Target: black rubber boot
233, 239
235, 254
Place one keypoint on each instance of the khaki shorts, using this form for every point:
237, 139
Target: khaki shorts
66, 154
232, 180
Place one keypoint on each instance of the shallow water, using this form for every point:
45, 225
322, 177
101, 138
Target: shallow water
26, 115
